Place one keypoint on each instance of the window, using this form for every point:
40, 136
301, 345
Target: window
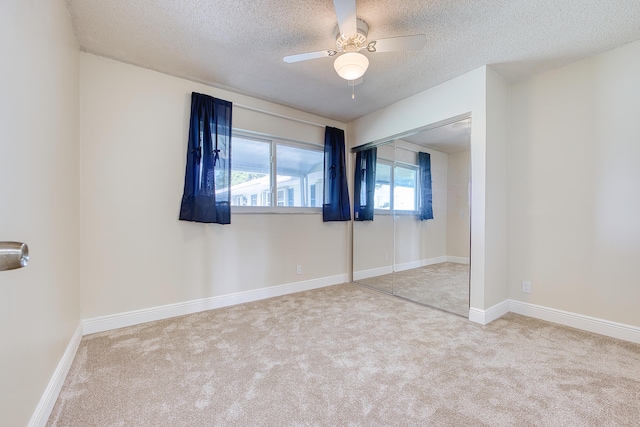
405, 188
267, 171
298, 169
398, 183
250, 171
382, 194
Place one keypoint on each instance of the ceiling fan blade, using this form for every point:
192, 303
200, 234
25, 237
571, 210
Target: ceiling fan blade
309, 55
415, 42
346, 14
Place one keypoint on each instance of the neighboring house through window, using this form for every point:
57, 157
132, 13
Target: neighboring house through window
396, 186
265, 170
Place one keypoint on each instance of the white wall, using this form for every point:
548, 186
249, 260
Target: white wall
485, 97
39, 175
574, 192
136, 254
458, 180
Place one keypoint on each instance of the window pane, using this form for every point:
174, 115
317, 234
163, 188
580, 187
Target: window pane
404, 189
382, 195
290, 196
299, 172
312, 194
250, 173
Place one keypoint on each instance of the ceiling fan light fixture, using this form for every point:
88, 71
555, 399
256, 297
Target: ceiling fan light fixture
351, 65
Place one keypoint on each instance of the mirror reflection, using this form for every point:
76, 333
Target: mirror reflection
414, 242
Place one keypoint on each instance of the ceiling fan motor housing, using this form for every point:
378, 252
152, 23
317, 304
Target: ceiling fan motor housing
352, 42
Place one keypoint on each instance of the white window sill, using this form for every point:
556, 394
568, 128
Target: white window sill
262, 210
387, 212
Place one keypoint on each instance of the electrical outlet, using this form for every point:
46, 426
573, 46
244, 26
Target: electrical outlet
386, 257
526, 286
298, 269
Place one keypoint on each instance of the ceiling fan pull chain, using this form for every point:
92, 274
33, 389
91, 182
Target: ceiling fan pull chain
352, 83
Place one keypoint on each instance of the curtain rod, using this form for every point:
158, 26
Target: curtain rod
282, 116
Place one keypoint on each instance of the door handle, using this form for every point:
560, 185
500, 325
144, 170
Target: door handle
13, 255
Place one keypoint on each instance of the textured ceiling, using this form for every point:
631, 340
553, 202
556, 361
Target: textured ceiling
239, 44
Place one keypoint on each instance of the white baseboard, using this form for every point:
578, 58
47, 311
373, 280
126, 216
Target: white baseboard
374, 272
99, 324
489, 315
483, 317
420, 263
121, 320
578, 321
561, 317
48, 400
458, 259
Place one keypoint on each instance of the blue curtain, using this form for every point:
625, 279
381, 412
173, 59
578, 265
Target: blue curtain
206, 196
426, 192
336, 194
364, 184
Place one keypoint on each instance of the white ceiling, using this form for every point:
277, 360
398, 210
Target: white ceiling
239, 44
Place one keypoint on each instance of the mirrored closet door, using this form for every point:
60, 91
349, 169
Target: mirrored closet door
423, 260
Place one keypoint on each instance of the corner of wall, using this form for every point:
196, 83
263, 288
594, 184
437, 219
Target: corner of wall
497, 176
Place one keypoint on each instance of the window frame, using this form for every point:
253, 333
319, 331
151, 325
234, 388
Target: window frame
416, 189
392, 208
273, 184
391, 164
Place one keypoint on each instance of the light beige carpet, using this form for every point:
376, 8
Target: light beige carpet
382, 283
347, 355
443, 285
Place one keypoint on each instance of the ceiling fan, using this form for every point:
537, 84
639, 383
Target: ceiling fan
351, 37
